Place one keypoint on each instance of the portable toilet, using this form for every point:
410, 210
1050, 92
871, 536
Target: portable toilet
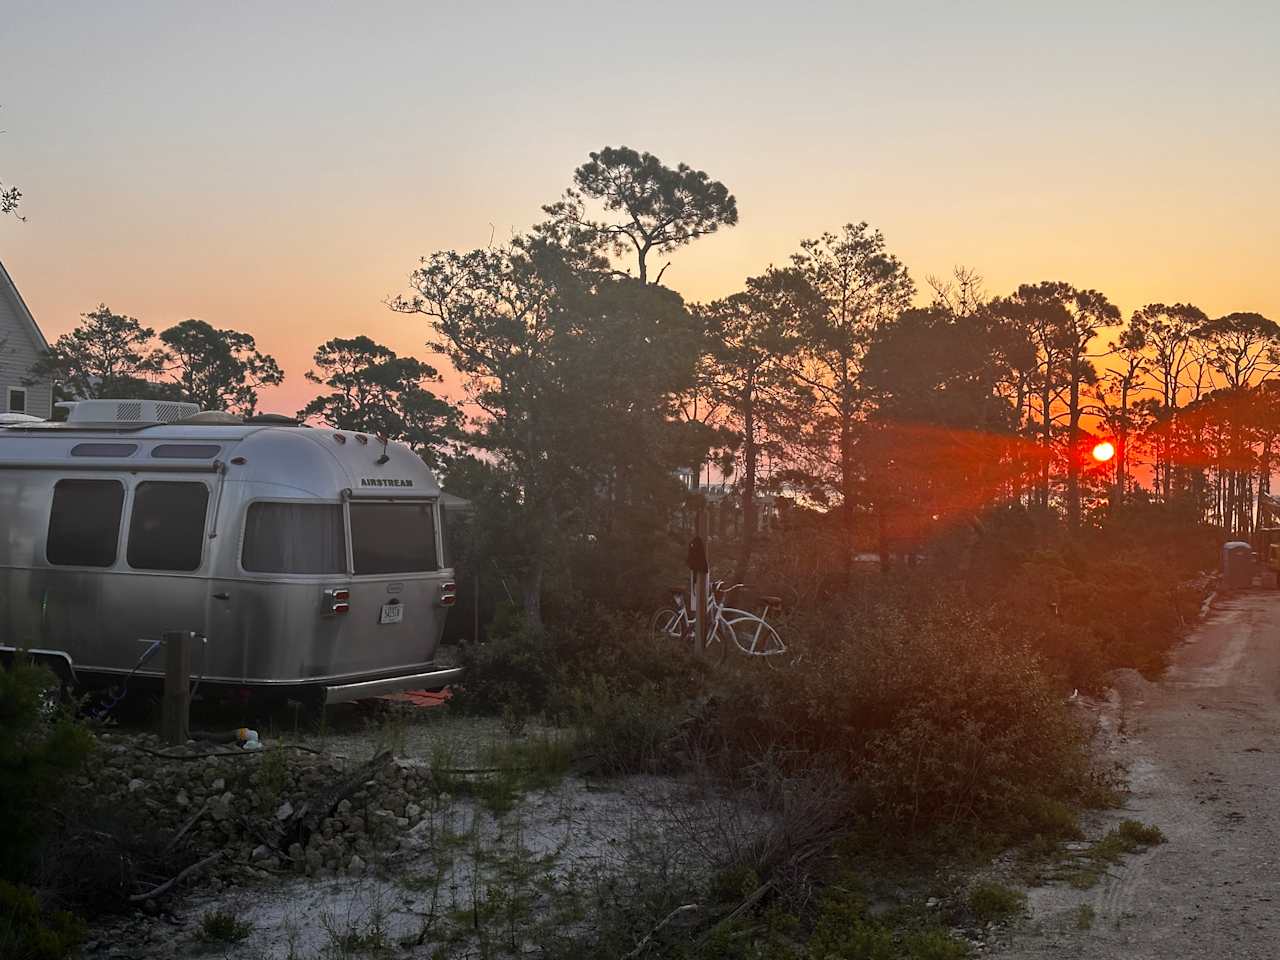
1238, 564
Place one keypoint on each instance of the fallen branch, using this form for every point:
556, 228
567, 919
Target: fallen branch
186, 826
688, 907
308, 815
232, 753
756, 896
168, 885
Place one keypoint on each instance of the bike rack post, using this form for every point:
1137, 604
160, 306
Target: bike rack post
700, 578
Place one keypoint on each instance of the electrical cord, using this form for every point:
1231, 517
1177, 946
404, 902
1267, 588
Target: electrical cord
204, 645
103, 712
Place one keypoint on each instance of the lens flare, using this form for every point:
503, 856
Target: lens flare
1104, 451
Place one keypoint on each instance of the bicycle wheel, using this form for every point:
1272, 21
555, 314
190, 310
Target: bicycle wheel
667, 625
718, 642
756, 638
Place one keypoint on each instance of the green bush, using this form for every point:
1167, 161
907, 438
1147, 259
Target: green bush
555, 670
41, 747
994, 902
223, 926
941, 718
29, 933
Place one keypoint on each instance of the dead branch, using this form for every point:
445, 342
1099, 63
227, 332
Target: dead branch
168, 885
186, 826
306, 819
756, 896
687, 908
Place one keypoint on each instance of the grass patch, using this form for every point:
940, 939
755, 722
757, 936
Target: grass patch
996, 903
1088, 867
1085, 916
506, 769
223, 926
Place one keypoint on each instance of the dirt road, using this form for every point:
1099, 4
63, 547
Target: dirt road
1203, 750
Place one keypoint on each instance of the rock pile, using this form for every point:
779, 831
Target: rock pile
265, 810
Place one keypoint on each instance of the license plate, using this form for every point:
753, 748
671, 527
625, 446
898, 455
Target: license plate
391, 613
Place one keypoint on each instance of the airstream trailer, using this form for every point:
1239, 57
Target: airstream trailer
307, 561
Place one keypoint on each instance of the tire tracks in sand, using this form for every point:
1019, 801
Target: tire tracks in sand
1202, 748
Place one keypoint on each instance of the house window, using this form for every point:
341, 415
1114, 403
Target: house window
294, 538
84, 524
393, 537
17, 400
166, 531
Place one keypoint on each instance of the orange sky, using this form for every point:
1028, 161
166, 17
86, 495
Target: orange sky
279, 171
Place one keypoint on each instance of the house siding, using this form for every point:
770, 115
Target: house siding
18, 351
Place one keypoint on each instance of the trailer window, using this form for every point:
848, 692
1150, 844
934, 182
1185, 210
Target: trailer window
185, 451
393, 537
294, 538
84, 524
104, 449
166, 530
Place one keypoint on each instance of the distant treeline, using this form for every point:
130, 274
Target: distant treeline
590, 385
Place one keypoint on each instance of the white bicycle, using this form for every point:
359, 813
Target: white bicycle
749, 632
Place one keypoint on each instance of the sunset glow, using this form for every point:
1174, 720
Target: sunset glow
184, 163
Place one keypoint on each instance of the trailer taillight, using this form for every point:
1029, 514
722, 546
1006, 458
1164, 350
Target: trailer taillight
448, 593
337, 602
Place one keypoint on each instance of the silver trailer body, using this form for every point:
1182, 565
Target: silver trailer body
304, 557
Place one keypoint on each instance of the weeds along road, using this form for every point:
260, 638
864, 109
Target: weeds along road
1203, 751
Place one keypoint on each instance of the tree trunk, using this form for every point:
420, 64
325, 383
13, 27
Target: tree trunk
846, 489
1073, 442
1047, 437
532, 591
1122, 447
749, 454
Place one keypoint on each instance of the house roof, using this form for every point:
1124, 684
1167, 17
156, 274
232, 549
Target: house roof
24, 313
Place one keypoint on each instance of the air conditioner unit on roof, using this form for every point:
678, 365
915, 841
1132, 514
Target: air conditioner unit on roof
130, 411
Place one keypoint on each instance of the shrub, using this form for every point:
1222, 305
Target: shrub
41, 747
223, 926
556, 669
29, 933
940, 718
994, 902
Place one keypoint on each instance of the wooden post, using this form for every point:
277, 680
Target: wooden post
176, 715
700, 584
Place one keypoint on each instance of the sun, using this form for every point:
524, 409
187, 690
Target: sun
1104, 451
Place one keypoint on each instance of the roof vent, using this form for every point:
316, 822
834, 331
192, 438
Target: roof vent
130, 411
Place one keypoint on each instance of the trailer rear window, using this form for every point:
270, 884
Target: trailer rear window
393, 537
84, 523
166, 530
294, 538
104, 449
185, 451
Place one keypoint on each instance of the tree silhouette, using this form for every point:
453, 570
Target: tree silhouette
107, 355
217, 369
647, 205
372, 390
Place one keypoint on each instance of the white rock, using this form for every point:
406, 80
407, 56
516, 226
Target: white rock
220, 807
218, 785
136, 784
355, 864
413, 812
285, 811
261, 852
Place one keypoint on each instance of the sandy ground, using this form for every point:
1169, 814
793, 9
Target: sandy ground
1203, 751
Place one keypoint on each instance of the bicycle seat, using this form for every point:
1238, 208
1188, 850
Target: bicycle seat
772, 601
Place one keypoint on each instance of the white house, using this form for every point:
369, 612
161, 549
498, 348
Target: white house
21, 343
